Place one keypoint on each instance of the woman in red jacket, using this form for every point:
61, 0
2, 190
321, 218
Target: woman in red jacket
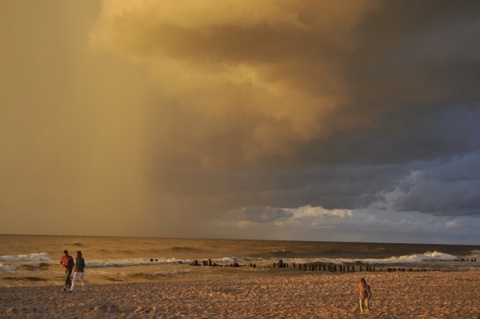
67, 262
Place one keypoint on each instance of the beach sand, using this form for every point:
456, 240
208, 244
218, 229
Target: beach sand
431, 294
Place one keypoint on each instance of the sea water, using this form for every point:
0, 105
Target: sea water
34, 260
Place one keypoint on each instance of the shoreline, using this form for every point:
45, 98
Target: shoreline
53, 275
432, 294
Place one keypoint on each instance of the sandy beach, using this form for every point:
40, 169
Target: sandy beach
310, 295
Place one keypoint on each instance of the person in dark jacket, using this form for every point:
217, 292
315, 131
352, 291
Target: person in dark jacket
67, 262
79, 271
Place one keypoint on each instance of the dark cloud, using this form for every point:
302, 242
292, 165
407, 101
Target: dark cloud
392, 92
450, 188
185, 111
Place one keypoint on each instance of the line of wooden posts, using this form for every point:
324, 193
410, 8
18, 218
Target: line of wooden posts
317, 266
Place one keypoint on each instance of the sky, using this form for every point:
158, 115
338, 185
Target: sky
274, 119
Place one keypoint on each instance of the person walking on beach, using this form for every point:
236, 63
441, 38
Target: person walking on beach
79, 271
365, 294
67, 262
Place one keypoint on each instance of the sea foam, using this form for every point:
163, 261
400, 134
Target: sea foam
25, 258
414, 258
13, 262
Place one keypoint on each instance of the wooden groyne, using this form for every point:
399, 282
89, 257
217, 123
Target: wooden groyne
315, 266
319, 266
213, 264
330, 267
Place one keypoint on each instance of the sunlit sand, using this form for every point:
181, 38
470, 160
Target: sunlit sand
432, 294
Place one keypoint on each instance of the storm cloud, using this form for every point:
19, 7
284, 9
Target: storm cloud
277, 115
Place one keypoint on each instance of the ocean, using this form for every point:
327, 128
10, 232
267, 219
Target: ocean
33, 260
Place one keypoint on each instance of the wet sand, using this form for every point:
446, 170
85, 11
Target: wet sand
431, 294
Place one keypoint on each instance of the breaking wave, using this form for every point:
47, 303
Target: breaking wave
13, 262
25, 258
